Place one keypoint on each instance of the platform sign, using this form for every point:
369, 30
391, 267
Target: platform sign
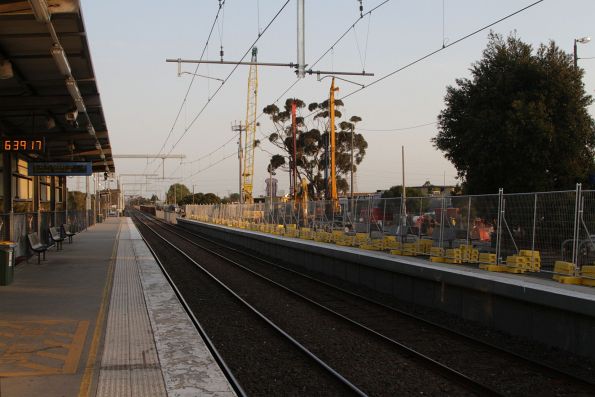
72, 168
22, 144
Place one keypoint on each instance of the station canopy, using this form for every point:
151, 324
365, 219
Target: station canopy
47, 83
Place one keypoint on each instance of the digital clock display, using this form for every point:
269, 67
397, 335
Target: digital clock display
18, 144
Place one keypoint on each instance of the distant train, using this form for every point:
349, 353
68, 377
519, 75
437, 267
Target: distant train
149, 209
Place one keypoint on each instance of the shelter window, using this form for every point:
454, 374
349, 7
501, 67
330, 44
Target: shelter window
59, 186
22, 183
44, 189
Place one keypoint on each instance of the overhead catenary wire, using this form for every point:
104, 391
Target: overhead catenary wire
201, 111
398, 128
221, 4
330, 49
444, 47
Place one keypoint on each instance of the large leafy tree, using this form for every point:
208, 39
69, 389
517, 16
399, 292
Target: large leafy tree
177, 192
520, 123
201, 198
312, 140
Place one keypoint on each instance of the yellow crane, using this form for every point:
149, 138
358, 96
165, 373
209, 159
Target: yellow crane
250, 137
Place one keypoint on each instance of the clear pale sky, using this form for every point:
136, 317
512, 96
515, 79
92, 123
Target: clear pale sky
142, 94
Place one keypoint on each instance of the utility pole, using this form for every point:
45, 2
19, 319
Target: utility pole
239, 128
352, 128
294, 133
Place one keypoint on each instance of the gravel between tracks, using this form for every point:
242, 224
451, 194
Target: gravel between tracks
374, 366
263, 362
507, 375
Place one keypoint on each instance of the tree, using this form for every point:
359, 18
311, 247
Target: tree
76, 201
521, 121
177, 192
312, 148
200, 198
154, 198
232, 198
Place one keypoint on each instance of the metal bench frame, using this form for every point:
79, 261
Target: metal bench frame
56, 237
37, 246
66, 230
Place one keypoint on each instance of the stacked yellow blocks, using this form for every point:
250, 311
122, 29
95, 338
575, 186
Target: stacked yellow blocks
487, 261
566, 273
533, 258
361, 239
306, 233
391, 243
375, 244
291, 231
588, 275
424, 246
323, 237
469, 254
437, 254
517, 264
340, 238
453, 255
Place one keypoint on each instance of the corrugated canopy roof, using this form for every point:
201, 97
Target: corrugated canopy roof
38, 89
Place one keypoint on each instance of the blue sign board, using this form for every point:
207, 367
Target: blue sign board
71, 168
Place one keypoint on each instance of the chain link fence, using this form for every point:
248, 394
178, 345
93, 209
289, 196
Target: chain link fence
494, 229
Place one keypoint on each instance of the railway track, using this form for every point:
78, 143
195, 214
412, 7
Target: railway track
376, 364
497, 365
503, 372
254, 352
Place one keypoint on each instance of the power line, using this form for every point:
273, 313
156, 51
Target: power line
194, 75
229, 75
210, 166
444, 47
212, 152
399, 128
331, 48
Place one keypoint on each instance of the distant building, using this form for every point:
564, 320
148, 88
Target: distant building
271, 187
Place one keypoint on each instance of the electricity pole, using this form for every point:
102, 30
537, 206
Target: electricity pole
240, 129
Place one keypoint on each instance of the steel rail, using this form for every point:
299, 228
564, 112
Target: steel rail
552, 370
292, 340
447, 371
235, 384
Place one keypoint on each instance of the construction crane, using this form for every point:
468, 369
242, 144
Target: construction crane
250, 137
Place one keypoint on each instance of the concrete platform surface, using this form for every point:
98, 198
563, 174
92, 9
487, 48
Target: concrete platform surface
99, 319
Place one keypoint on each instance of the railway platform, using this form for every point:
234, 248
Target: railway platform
541, 310
98, 318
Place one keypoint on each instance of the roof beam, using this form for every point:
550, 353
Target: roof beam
15, 103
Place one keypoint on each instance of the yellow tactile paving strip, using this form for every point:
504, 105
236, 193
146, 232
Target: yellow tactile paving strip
41, 347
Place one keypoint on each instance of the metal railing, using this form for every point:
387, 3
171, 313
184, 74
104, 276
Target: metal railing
559, 225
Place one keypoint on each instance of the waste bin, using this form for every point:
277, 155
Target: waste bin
99, 218
6, 262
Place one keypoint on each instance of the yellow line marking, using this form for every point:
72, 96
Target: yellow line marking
85, 388
76, 347
54, 356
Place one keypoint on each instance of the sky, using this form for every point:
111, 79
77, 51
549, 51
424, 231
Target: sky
142, 95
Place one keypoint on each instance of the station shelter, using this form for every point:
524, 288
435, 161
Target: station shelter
52, 124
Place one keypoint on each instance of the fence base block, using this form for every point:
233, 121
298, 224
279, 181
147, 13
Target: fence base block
493, 268
567, 279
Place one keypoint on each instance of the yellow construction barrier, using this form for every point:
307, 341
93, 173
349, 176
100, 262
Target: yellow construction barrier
588, 275
565, 272
437, 255
453, 255
534, 259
